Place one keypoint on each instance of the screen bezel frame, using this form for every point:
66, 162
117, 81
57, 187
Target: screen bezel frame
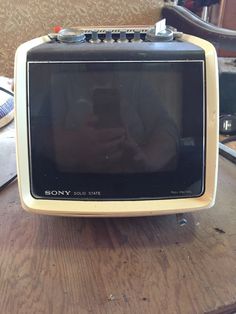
61, 197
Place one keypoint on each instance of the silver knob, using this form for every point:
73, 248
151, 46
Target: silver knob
123, 38
94, 39
137, 38
165, 35
108, 38
70, 35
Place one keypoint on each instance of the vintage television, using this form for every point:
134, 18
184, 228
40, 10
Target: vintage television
116, 122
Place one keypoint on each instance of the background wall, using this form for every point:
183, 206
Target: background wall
22, 20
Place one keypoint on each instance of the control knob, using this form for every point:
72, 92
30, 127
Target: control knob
70, 35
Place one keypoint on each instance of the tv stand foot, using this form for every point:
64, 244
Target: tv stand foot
181, 220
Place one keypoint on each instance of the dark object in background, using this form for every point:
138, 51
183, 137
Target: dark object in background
227, 84
195, 5
183, 20
228, 124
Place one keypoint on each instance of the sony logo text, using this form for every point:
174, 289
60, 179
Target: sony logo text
55, 193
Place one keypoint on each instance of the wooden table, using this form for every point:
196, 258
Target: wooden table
130, 265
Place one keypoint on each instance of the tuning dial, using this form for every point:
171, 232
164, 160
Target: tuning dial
94, 39
108, 38
136, 38
70, 35
123, 38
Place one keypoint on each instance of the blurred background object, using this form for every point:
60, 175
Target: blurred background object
24, 20
221, 13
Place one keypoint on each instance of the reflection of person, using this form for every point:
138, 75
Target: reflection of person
86, 140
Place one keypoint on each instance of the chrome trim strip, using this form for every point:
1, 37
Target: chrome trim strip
117, 61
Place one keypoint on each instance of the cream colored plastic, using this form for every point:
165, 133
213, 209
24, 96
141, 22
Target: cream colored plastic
117, 208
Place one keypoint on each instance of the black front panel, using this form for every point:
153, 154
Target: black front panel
174, 50
116, 130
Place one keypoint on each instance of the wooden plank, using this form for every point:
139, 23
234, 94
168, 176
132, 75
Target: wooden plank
130, 265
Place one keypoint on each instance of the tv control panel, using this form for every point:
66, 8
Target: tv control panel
110, 35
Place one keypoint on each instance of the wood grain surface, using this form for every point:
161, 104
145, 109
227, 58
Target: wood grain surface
130, 265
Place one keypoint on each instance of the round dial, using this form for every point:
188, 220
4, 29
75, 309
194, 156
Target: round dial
70, 35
